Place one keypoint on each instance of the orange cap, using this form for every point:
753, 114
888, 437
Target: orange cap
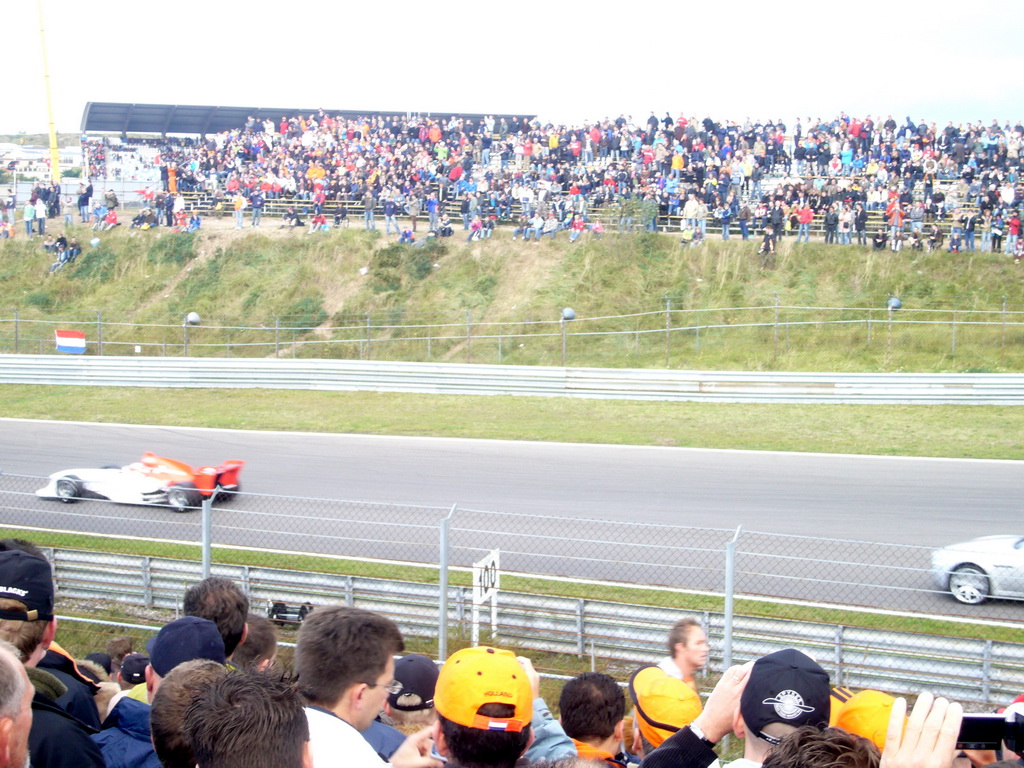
867, 714
477, 676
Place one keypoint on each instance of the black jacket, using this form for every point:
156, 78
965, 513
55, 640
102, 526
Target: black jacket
58, 740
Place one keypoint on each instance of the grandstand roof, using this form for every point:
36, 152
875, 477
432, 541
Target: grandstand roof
110, 117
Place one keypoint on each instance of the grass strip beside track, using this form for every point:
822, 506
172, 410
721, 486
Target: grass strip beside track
983, 432
678, 600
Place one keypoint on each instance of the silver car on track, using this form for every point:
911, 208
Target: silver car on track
979, 569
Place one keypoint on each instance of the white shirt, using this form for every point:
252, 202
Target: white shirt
334, 742
670, 668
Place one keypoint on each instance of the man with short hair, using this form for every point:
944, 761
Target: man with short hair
15, 709
221, 601
688, 650
171, 702
484, 704
785, 690
592, 706
249, 720
260, 646
56, 739
344, 663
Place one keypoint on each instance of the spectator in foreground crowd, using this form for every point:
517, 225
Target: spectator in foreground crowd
260, 646
15, 708
249, 720
784, 691
221, 601
484, 705
688, 651
662, 704
592, 707
171, 702
27, 622
413, 706
345, 667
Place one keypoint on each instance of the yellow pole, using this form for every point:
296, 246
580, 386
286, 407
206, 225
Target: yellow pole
54, 153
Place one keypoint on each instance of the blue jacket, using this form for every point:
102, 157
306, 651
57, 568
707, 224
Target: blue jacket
124, 739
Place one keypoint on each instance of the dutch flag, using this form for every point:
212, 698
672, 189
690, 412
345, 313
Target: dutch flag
71, 342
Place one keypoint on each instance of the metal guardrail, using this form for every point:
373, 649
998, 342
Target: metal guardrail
471, 379
968, 670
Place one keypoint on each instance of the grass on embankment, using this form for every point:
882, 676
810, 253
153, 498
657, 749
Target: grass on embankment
271, 287
633, 595
889, 430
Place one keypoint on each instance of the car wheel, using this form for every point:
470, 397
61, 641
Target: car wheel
69, 489
228, 494
969, 585
184, 497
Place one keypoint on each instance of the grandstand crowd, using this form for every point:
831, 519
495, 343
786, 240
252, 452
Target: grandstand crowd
953, 187
511, 168
207, 690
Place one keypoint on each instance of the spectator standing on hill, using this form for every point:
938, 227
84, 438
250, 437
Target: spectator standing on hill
369, 203
40, 212
29, 215
257, 202
239, 207
84, 200
860, 223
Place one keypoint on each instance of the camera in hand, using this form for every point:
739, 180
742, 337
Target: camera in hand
990, 731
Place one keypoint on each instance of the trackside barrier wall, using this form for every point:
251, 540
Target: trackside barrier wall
626, 635
479, 379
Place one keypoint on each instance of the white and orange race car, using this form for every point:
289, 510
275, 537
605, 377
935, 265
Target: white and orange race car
153, 480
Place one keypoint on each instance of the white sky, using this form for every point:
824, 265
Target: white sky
566, 61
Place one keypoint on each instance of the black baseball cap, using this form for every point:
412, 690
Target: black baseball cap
185, 639
786, 687
133, 668
418, 676
29, 580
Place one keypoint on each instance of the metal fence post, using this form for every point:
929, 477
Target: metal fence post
469, 336
986, 671
147, 581
99, 330
277, 337
442, 614
369, 336
730, 585
15, 331
839, 654
581, 619
668, 329
953, 350
207, 514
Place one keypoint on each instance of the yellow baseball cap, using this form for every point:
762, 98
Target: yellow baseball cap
477, 676
867, 714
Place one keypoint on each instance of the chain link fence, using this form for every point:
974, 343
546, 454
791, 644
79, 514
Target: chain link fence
575, 593
772, 337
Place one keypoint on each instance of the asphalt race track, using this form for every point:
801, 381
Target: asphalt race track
410, 483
